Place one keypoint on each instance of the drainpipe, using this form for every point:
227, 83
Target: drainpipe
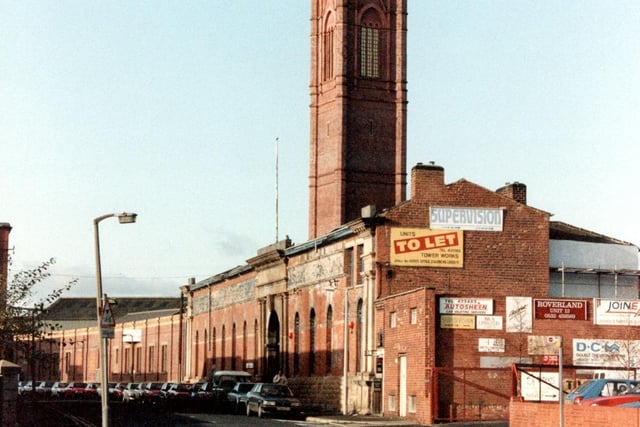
345, 363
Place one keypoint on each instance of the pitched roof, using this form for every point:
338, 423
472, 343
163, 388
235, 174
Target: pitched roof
563, 231
84, 309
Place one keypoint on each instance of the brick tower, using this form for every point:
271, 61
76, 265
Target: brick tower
358, 109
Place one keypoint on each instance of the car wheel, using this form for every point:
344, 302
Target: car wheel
248, 410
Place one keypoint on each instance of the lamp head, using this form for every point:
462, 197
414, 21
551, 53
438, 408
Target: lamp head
127, 218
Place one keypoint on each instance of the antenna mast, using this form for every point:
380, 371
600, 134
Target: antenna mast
277, 139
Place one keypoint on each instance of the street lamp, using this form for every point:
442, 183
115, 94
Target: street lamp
123, 218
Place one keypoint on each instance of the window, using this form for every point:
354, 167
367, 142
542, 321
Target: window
163, 358
360, 272
329, 338
414, 316
233, 347
369, 53
392, 402
312, 342
359, 335
327, 69
296, 345
222, 349
392, 319
350, 266
117, 359
152, 359
411, 402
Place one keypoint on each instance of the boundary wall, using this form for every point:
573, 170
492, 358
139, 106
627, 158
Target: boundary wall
526, 414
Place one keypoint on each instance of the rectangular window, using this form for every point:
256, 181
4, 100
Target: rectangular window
392, 402
117, 357
414, 316
163, 358
369, 54
412, 404
350, 266
392, 319
360, 277
138, 367
152, 359
67, 363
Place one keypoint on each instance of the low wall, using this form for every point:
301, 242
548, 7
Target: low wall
526, 414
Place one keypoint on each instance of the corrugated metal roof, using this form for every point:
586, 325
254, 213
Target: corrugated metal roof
79, 309
563, 231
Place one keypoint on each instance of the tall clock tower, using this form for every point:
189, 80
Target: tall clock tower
358, 109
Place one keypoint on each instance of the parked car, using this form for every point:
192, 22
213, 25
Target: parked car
223, 382
151, 392
43, 388
600, 387
74, 390
202, 396
164, 389
237, 397
132, 392
628, 396
267, 398
91, 391
57, 389
179, 391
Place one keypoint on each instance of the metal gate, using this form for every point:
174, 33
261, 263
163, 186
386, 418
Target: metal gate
471, 394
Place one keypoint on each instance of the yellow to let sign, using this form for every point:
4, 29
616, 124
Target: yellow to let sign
423, 247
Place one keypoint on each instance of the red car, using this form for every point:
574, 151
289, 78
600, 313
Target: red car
75, 390
628, 396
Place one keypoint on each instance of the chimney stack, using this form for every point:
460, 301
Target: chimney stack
5, 229
426, 181
514, 190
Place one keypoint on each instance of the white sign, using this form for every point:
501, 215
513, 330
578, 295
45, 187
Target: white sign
609, 353
460, 218
491, 345
533, 389
616, 312
466, 306
519, 314
493, 323
132, 335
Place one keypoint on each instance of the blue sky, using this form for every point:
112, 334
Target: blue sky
171, 109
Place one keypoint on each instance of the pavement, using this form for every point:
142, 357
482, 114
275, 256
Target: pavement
373, 420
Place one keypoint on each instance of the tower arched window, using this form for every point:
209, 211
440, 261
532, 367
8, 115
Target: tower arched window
327, 48
370, 45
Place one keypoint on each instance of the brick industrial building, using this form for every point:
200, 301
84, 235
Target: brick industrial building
416, 307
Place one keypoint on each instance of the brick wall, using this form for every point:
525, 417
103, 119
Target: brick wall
524, 414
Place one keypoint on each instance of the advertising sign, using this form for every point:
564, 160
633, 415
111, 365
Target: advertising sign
616, 312
606, 353
534, 389
459, 218
542, 344
450, 321
491, 345
466, 306
422, 247
519, 314
560, 309
489, 322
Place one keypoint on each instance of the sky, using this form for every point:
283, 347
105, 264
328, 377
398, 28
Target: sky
174, 109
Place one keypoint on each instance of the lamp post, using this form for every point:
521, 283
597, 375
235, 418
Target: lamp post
123, 218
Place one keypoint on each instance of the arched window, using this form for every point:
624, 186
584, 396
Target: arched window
327, 48
197, 352
296, 345
329, 339
359, 336
256, 342
244, 344
233, 346
370, 45
222, 348
312, 342
213, 344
